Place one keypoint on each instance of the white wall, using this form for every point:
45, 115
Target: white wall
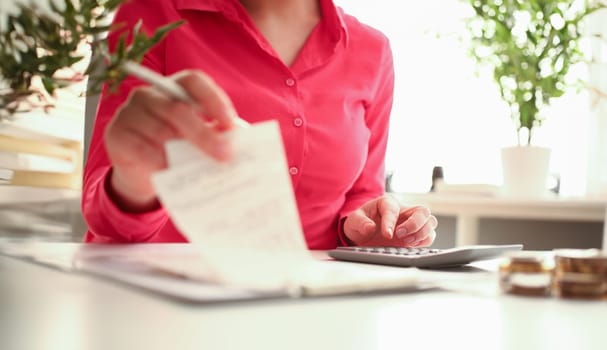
445, 114
597, 165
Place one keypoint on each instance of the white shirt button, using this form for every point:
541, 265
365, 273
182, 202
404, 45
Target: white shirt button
298, 122
290, 82
293, 170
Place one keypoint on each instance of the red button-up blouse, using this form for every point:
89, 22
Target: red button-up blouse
333, 105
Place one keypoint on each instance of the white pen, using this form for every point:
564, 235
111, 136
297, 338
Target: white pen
167, 85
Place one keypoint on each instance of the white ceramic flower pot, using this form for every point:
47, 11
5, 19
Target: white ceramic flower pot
525, 171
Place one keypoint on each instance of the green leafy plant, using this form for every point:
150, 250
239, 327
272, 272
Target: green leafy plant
530, 46
41, 45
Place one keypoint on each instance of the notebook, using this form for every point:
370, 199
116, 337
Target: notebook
176, 270
242, 220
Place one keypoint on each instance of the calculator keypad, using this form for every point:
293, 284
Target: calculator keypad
395, 251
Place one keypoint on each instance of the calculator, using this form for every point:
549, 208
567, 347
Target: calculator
421, 257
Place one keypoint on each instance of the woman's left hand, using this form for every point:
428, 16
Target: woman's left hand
385, 222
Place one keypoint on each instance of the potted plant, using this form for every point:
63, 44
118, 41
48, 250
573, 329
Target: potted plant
39, 49
530, 47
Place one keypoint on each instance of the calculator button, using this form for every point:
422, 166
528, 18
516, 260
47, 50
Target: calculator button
356, 249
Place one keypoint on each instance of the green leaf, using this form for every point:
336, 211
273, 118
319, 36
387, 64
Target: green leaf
49, 85
34, 44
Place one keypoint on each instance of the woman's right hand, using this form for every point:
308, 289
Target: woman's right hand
135, 137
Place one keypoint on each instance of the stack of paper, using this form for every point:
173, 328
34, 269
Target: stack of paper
44, 149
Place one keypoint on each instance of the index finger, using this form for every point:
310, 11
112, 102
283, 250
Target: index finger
188, 124
209, 97
388, 208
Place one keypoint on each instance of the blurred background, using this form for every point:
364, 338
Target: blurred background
447, 112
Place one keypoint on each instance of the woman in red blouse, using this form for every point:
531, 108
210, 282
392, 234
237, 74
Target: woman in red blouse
325, 77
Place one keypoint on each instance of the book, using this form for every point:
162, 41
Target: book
39, 161
27, 161
44, 148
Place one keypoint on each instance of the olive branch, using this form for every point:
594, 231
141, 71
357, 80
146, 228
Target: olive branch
38, 45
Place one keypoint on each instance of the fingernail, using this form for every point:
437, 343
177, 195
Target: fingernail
400, 232
390, 232
409, 240
417, 243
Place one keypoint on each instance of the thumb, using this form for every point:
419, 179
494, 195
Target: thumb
358, 227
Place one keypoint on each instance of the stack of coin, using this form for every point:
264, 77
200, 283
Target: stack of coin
580, 273
527, 273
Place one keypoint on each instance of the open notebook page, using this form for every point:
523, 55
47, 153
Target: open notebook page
243, 217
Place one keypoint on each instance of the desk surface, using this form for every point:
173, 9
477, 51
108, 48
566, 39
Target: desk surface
42, 308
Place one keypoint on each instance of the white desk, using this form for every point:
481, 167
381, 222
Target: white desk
44, 309
469, 209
